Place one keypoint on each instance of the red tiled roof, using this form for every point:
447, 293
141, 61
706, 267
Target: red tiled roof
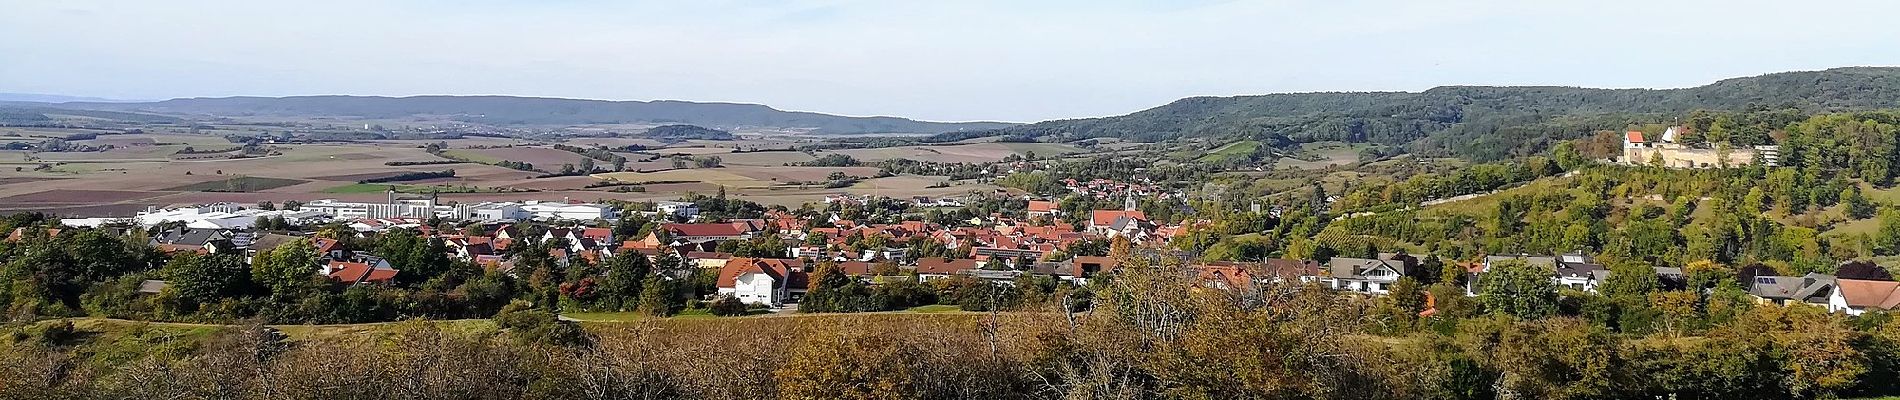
855, 268
1633, 137
940, 266
1870, 294
696, 255
169, 248
707, 229
353, 273
1041, 206
1106, 264
20, 233
785, 272
1106, 217
1232, 275
1291, 269
597, 233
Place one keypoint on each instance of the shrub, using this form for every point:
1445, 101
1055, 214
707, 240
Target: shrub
727, 306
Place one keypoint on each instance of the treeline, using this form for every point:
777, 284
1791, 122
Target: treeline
597, 153
832, 160
90, 272
93, 272
190, 150
437, 149
411, 176
430, 162
680, 132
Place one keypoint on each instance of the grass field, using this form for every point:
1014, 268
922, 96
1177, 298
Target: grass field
1318, 155
1231, 151
239, 184
935, 309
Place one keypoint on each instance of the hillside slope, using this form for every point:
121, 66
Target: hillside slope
1483, 122
509, 110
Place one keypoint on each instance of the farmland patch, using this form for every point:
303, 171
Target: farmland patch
239, 184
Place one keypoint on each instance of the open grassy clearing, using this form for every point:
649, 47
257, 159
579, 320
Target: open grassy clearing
1231, 151
935, 309
1319, 155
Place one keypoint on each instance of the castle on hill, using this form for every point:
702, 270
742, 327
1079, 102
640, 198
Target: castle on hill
1669, 152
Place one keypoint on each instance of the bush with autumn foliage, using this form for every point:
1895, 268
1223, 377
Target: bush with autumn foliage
1148, 334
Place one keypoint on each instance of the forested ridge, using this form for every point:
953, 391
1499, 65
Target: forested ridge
510, 110
1478, 122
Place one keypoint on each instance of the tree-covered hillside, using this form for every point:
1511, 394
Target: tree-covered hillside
686, 132
507, 110
1479, 122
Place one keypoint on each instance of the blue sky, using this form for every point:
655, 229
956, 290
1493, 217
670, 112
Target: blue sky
938, 60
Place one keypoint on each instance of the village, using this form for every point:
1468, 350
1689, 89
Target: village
1040, 240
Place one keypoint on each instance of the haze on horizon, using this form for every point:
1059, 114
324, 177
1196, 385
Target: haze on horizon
947, 61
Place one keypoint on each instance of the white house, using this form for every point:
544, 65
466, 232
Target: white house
1855, 296
762, 280
1365, 275
680, 209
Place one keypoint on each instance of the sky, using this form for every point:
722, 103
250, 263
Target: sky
1019, 61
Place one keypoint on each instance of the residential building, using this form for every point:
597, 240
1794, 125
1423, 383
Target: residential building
762, 280
1856, 296
1043, 208
1814, 288
933, 268
1365, 275
680, 209
563, 211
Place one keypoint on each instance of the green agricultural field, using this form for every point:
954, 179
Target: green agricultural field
1319, 155
242, 184
934, 309
1232, 151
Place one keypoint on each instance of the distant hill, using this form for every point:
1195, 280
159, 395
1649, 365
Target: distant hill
508, 110
1481, 122
33, 113
54, 98
685, 132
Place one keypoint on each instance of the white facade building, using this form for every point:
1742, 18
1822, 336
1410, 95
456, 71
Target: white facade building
213, 216
564, 211
677, 208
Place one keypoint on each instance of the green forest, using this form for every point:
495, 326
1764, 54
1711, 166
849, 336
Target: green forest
1475, 122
